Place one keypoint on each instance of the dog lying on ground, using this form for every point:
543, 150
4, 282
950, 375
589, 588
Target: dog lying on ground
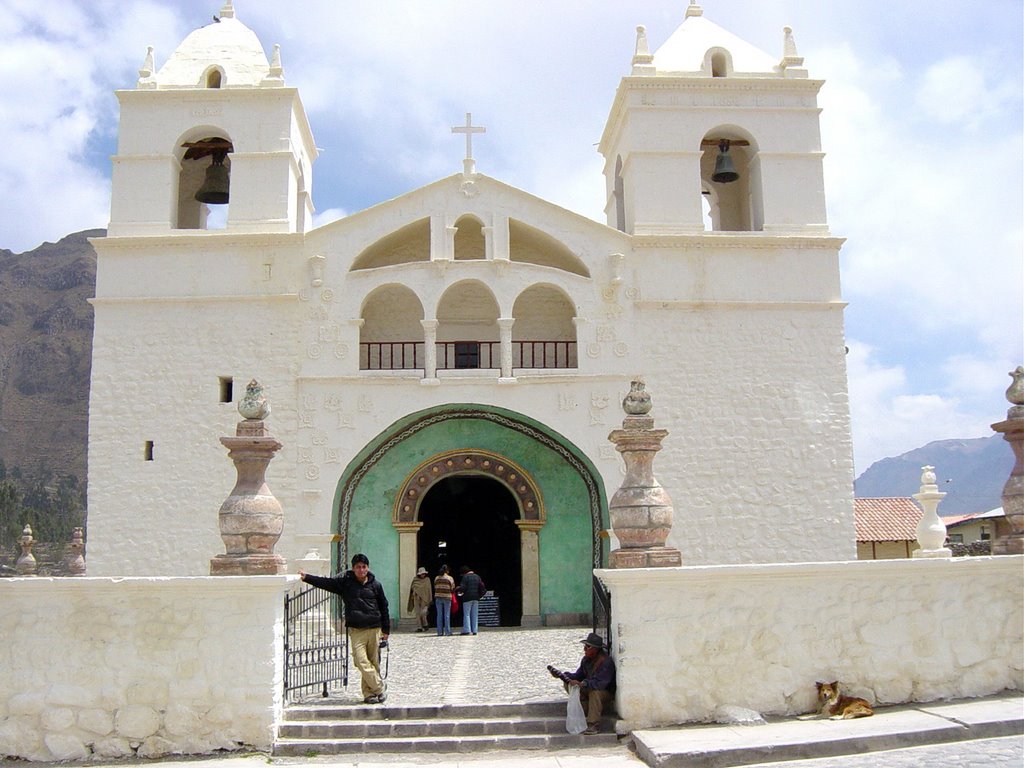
833, 705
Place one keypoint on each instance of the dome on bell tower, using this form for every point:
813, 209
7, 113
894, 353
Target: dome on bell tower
226, 50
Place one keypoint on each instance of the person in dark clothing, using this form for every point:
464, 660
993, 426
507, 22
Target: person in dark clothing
471, 589
367, 619
595, 679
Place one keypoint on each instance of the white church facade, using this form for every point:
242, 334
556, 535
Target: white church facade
444, 368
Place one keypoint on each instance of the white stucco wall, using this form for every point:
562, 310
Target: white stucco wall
108, 668
687, 640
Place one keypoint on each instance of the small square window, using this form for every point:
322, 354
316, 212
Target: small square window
467, 354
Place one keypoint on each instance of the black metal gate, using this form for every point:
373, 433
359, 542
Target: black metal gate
315, 643
602, 604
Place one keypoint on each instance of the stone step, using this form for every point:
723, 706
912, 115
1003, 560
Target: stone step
313, 747
401, 728
306, 712
330, 729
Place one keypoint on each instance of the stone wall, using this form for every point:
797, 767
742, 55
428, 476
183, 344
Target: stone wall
688, 640
108, 668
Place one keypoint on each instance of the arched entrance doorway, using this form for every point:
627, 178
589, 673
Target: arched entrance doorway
471, 520
562, 509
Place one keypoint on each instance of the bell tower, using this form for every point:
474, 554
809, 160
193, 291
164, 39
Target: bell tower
711, 134
215, 127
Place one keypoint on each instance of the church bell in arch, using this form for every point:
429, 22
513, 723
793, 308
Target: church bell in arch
215, 186
217, 182
725, 169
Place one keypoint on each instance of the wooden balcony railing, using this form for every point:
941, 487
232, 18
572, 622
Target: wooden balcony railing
452, 355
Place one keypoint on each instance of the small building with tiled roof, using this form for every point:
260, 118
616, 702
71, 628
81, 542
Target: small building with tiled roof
886, 527
977, 526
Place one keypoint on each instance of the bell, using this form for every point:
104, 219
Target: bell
725, 171
215, 186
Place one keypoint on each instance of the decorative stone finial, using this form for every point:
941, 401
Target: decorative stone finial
228, 11
254, 405
1015, 393
74, 558
791, 58
275, 77
637, 402
694, 9
26, 565
146, 79
931, 531
643, 61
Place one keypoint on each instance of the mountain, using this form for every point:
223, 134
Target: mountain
45, 356
971, 472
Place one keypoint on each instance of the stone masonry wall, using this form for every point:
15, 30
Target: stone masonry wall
110, 668
688, 640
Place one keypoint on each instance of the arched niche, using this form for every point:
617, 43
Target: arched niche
735, 206
544, 334
391, 335
407, 245
213, 77
717, 62
197, 150
469, 239
620, 197
467, 329
532, 246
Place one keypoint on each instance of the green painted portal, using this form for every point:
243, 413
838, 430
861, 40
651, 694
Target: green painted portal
572, 496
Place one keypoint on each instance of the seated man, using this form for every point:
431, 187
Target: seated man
595, 679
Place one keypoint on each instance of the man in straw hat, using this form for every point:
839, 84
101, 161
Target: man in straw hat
595, 679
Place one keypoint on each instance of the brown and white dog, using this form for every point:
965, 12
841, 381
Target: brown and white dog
838, 707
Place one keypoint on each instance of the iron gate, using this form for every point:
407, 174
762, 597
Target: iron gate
315, 643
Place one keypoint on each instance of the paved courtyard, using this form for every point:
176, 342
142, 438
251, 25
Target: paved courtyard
496, 665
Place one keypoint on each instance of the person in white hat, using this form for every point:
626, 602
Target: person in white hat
420, 597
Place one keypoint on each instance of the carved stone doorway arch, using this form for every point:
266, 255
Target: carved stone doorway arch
406, 520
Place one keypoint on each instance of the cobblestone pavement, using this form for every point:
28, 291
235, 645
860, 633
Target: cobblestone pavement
1007, 752
497, 665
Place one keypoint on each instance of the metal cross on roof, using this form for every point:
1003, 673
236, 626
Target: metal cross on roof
469, 129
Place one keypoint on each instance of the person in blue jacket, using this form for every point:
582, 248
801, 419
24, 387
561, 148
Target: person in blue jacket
367, 619
595, 679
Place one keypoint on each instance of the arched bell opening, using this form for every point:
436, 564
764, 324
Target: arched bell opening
730, 180
204, 183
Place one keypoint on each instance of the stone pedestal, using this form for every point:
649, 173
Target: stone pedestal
251, 519
1009, 538
641, 510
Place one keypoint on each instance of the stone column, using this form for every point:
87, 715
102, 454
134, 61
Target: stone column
407, 565
1009, 538
931, 531
529, 553
26, 565
641, 510
251, 518
505, 335
429, 350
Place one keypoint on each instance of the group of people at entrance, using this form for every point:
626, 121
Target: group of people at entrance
447, 598
369, 625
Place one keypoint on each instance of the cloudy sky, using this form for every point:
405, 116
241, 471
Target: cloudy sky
922, 127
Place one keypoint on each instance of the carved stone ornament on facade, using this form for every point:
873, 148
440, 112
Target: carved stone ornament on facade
1009, 539
251, 519
641, 510
931, 531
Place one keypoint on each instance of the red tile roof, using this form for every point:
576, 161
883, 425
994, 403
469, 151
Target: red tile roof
890, 518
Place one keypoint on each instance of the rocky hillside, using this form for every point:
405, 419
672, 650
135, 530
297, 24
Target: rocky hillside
45, 355
971, 472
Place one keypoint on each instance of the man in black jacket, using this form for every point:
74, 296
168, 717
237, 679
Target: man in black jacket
367, 619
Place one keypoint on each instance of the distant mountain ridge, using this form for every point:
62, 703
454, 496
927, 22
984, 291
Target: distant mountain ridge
976, 471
